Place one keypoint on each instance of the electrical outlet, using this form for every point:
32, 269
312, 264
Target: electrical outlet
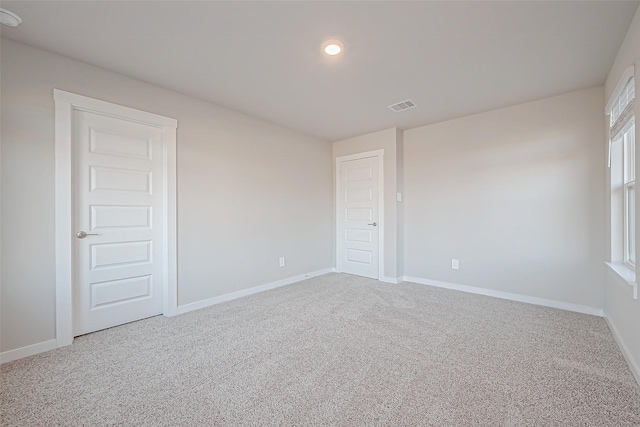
455, 264
281, 261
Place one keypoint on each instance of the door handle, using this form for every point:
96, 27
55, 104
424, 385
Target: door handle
375, 224
83, 234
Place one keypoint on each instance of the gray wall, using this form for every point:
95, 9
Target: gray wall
622, 311
516, 195
248, 191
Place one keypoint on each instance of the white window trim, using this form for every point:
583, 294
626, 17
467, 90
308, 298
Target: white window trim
622, 83
623, 272
626, 185
626, 277
627, 261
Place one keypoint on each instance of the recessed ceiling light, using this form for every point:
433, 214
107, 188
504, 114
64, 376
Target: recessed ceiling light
9, 18
332, 47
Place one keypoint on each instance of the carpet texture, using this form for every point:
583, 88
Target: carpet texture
334, 350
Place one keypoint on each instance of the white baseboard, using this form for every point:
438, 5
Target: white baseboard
245, 292
635, 368
30, 350
509, 296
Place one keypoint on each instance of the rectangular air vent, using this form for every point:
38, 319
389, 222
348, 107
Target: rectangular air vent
401, 106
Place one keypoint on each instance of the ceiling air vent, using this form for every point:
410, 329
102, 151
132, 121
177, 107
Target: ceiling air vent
401, 106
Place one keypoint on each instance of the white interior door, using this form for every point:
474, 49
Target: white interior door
358, 217
118, 199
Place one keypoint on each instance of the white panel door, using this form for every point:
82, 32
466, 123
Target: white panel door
118, 204
358, 217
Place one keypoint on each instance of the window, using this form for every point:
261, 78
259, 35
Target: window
629, 183
623, 172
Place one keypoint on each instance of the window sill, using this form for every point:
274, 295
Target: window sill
627, 277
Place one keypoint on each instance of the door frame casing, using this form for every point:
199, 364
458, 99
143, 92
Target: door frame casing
339, 160
65, 104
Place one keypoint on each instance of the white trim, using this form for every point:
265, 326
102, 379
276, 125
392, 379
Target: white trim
170, 249
63, 231
246, 292
91, 104
624, 79
65, 104
393, 280
626, 277
633, 366
363, 155
339, 160
509, 296
627, 238
30, 350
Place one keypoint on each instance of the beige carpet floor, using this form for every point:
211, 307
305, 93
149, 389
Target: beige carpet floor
334, 350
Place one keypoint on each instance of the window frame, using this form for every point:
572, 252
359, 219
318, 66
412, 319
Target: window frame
622, 232
621, 111
627, 135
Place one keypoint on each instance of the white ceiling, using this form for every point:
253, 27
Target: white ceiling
264, 59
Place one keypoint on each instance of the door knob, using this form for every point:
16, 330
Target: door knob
83, 234
375, 224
